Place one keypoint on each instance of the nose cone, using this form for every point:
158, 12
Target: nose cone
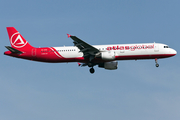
173, 52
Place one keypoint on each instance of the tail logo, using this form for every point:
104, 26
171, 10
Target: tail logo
17, 41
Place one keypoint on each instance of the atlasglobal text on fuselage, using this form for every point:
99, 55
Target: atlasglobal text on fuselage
104, 56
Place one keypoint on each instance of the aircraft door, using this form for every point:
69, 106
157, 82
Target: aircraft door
34, 52
156, 47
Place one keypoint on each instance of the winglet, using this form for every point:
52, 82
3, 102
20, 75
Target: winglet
68, 35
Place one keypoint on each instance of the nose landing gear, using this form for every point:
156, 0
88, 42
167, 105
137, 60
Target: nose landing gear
157, 65
92, 70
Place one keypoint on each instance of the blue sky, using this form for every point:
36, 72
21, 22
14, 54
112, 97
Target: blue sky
137, 90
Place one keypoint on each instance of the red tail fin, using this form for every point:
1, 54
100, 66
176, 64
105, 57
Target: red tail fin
17, 40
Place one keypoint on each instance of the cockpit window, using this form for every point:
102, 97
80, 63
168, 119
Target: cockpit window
166, 46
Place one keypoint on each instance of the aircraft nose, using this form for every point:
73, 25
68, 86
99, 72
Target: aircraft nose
173, 51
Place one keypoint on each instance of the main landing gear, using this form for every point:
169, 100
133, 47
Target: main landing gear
90, 64
157, 65
92, 70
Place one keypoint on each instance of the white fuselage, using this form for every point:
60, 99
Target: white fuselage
119, 50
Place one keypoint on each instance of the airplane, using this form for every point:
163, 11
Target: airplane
105, 56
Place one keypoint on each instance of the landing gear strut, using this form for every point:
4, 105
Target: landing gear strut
92, 70
157, 65
90, 64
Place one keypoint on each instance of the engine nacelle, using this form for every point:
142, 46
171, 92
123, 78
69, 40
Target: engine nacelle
106, 55
109, 65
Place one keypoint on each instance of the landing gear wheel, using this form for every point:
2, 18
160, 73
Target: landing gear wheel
157, 65
92, 70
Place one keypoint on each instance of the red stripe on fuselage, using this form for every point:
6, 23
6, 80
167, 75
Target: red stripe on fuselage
56, 52
134, 57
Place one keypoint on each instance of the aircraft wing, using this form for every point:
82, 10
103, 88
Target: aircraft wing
88, 50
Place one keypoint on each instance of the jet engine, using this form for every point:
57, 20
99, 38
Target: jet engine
109, 65
106, 55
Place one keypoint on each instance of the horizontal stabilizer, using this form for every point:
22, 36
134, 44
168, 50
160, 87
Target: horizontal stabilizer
13, 50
